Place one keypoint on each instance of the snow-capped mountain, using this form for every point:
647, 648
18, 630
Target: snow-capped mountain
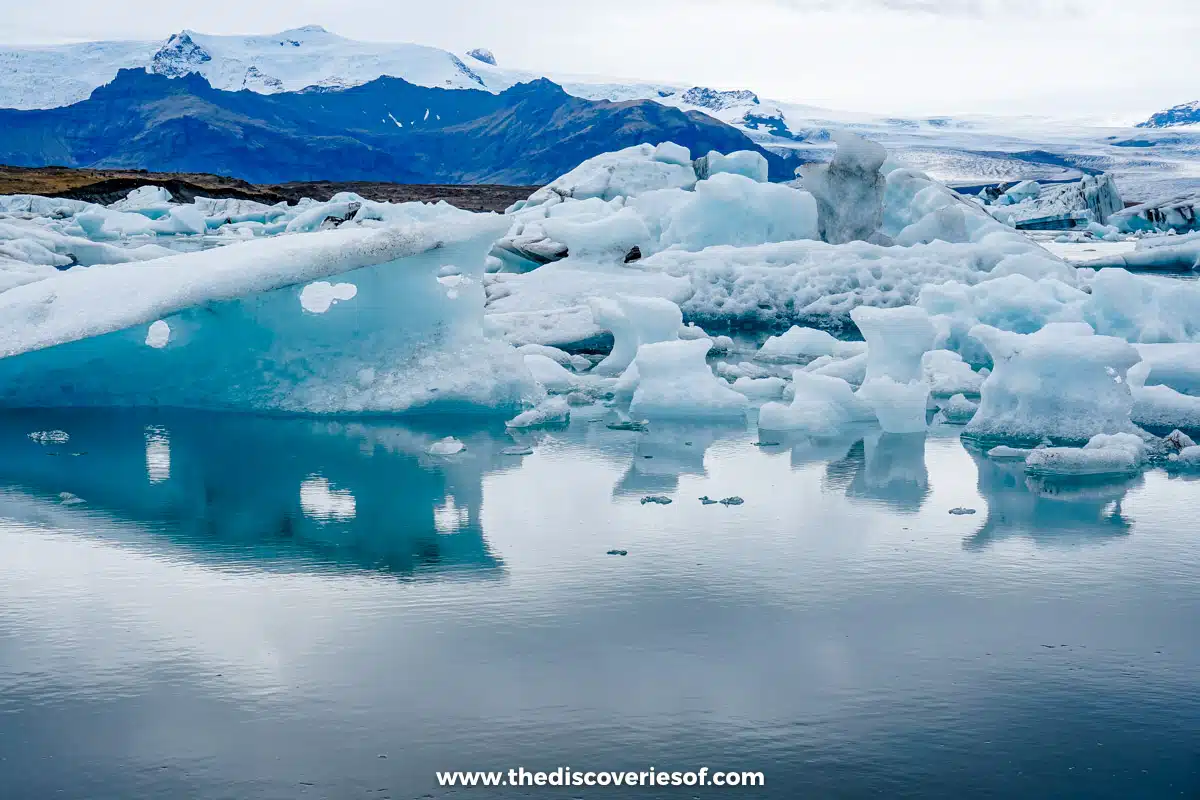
964, 150
1182, 114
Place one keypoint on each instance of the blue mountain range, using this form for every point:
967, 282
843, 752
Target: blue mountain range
384, 130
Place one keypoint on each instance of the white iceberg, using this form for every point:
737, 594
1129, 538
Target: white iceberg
674, 381
821, 406
1062, 381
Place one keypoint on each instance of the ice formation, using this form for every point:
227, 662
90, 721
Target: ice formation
634, 321
674, 381
242, 334
1062, 381
821, 406
958, 410
456, 310
849, 190
800, 342
895, 385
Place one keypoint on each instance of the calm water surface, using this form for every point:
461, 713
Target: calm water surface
238, 607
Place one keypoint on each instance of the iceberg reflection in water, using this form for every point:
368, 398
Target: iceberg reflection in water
213, 606
295, 493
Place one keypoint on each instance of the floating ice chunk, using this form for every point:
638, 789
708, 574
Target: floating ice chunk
158, 334
182, 219
1003, 451
899, 406
820, 406
1104, 454
1188, 457
895, 385
1161, 406
68, 499
958, 410
1062, 381
611, 236
143, 197
671, 153
1025, 190
848, 190
852, 370
674, 381
551, 374
1173, 365
241, 340
624, 173
635, 321
1142, 309
446, 447
743, 369
734, 210
1013, 303
319, 297
897, 340
770, 388
798, 342
948, 374
50, 437
554, 411
1177, 440
562, 357
745, 163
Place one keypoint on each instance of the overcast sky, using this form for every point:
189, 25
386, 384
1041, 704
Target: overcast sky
1104, 58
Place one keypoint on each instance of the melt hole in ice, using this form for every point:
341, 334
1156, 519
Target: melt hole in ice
158, 334
318, 297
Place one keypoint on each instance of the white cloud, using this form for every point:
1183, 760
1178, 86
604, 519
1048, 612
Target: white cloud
1062, 57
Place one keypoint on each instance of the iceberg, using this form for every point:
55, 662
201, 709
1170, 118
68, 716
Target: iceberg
1063, 382
674, 381
848, 190
821, 406
241, 336
895, 385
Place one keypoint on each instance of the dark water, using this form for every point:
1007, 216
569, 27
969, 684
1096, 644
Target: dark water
256, 608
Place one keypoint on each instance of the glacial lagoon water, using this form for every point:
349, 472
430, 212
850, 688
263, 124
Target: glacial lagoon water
214, 606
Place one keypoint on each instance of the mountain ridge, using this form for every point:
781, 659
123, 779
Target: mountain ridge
385, 130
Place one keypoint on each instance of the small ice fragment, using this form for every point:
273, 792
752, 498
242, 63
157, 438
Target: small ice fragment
579, 399
658, 499
628, 425
732, 501
708, 501
1177, 440
552, 412
50, 437
618, 552
961, 511
446, 447
68, 499
517, 450
1004, 451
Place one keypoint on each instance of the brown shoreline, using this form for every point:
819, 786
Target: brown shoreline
110, 185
